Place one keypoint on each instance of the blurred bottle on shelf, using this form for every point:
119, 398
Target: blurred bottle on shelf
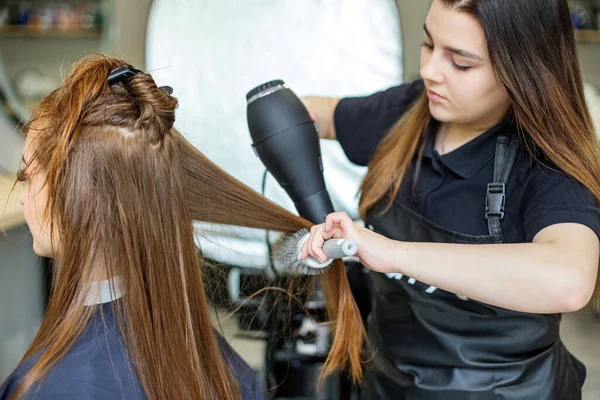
584, 14
52, 14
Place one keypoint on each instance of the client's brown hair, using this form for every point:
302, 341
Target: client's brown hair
124, 188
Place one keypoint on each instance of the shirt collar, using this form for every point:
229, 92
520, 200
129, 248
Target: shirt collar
471, 157
104, 291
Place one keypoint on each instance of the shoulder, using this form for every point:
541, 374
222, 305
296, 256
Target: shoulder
394, 100
12, 382
550, 196
544, 179
245, 375
361, 122
96, 367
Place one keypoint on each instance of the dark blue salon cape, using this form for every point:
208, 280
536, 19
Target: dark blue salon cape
97, 367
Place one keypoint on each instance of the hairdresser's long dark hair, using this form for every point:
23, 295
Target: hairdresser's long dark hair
123, 188
533, 53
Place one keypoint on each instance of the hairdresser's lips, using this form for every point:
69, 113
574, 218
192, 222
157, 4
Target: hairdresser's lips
434, 97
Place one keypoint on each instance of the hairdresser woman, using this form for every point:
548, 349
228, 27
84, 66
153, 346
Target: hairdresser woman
481, 206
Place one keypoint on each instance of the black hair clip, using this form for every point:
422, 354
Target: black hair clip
121, 74
167, 89
125, 72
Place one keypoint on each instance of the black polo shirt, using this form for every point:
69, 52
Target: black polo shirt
451, 188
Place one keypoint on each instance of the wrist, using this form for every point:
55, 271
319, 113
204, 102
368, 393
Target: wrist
399, 253
391, 256
378, 252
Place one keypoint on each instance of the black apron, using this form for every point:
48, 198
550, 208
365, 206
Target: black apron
433, 344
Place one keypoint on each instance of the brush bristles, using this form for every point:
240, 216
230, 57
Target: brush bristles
285, 255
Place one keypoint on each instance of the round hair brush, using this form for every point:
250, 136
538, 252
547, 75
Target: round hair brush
287, 251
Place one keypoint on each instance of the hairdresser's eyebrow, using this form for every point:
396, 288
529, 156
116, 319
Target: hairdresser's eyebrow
462, 53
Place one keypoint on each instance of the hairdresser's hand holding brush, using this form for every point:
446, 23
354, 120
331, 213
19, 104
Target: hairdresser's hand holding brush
371, 246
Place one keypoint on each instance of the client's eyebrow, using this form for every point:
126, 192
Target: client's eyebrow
24, 162
462, 53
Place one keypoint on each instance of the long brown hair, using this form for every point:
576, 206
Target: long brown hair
533, 53
123, 190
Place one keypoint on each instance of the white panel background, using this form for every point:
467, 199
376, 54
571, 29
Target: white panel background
212, 52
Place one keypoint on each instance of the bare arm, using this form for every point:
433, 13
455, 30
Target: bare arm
556, 273
322, 109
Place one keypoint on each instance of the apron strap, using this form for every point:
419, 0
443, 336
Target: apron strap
506, 152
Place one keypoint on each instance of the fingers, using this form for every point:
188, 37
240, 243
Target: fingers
315, 243
313, 116
337, 224
339, 218
313, 246
304, 250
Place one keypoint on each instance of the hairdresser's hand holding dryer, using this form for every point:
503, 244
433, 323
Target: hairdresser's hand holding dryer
481, 206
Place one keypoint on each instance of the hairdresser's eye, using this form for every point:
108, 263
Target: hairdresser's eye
426, 45
460, 67
21, 177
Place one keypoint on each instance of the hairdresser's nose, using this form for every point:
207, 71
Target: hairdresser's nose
22, 197
431, 68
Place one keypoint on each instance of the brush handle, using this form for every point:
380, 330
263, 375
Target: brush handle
339, 248
333, 248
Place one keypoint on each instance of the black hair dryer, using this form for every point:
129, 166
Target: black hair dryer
286, 140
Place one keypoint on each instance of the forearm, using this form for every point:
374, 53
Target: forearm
531, 277
556, 273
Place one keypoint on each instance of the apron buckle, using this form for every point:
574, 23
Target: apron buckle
494, 201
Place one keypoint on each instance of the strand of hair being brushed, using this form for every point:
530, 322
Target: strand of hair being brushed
291, 296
